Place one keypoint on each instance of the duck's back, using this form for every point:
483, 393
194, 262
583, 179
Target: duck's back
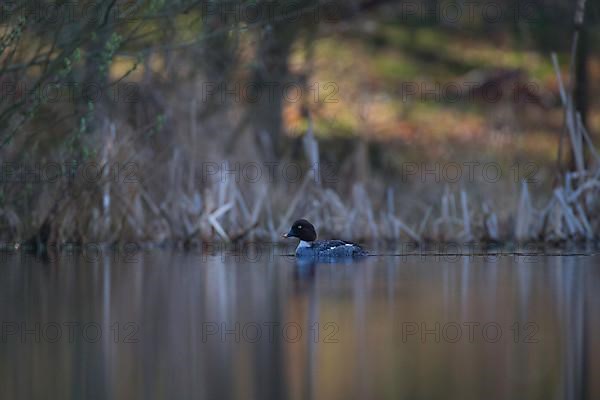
331, 249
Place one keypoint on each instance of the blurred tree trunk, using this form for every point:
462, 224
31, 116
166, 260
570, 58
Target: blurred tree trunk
92, 80
271, 73
219, 51
580, 88
96, 69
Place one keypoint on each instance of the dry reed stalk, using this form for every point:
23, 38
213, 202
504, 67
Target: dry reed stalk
490, 223
362, 205
466, 216
573, 225
285, 221
424, 221
445, 218
311, 150
213, 219
524, 215
403, 227
588, 231
270, 222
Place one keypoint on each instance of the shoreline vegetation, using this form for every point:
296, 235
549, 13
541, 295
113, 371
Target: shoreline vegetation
223, 215
167, 137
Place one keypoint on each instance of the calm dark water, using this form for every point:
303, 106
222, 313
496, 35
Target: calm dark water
186, 326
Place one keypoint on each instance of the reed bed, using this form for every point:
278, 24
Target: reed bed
225, 210
169, 203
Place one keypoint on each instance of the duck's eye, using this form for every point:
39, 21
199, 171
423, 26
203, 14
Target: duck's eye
299, 226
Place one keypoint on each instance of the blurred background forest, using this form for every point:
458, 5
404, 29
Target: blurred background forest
190, 121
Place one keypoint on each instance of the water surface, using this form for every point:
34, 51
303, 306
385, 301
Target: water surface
165, 325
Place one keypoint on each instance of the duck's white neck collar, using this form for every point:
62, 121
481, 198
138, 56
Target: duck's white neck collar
303, 244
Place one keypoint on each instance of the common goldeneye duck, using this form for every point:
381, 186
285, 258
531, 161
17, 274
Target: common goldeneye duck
309, 246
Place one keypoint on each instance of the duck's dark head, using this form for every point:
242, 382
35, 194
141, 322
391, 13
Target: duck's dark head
303, 230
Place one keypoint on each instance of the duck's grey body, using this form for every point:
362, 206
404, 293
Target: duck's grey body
329, 249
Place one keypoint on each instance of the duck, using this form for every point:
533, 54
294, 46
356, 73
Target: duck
309, 246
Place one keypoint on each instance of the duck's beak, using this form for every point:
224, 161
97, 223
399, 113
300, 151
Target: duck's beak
285, 235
